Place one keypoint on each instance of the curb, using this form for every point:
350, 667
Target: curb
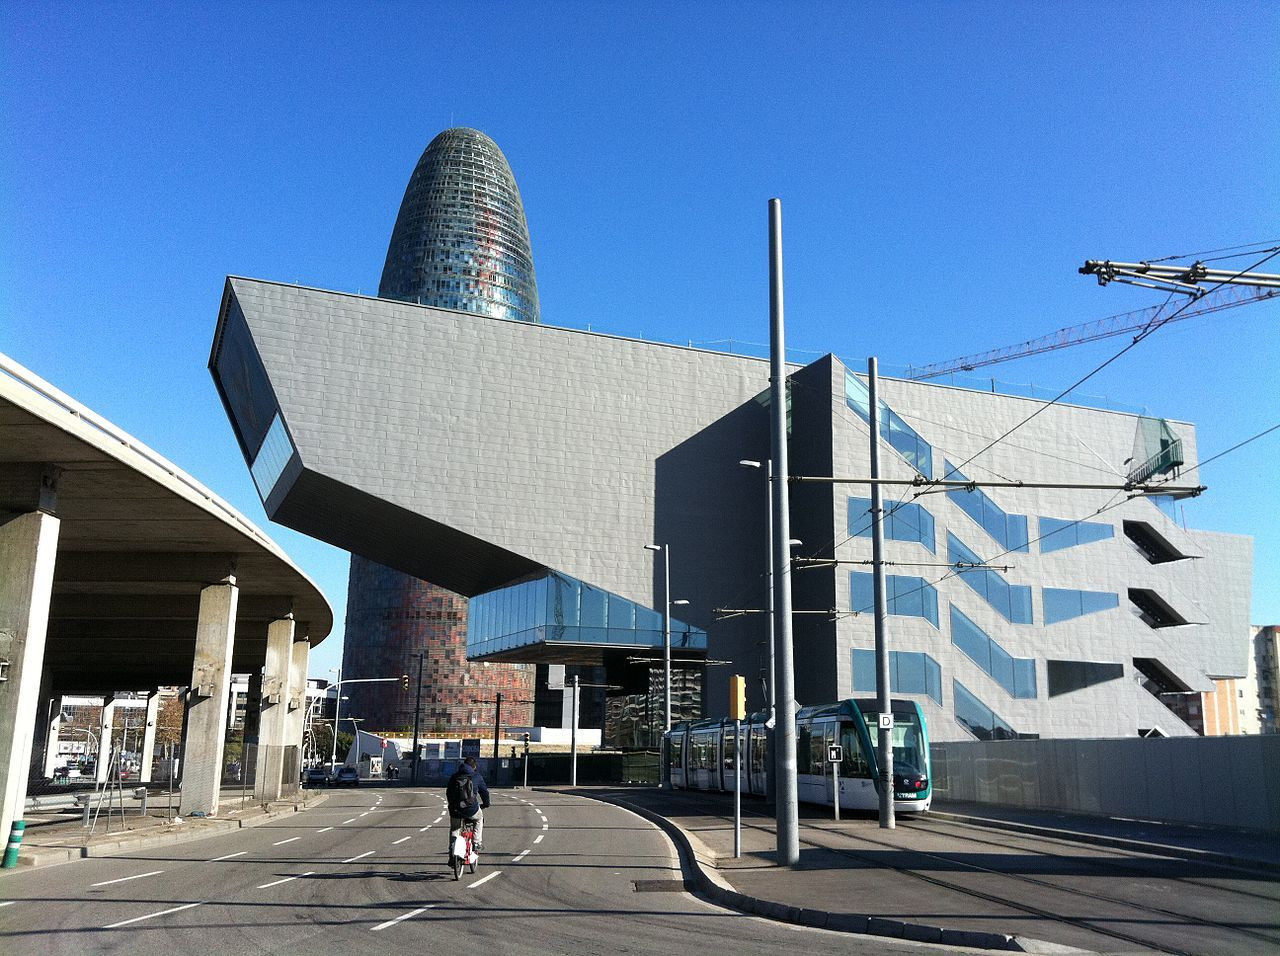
212, 826
714, 887
1119, 843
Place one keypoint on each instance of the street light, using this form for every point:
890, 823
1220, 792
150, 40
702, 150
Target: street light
667, 605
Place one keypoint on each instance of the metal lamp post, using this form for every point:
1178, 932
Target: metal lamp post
337, 707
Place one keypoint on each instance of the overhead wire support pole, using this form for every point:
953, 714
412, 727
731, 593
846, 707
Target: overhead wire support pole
884, 710
787, 808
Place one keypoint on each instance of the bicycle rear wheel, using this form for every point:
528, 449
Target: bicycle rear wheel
471, 867
457, 866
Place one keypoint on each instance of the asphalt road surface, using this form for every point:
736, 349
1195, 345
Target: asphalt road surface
366, 872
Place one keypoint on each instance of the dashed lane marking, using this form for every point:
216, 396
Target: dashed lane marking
424, 829
401, 840
229, 856
485, 879
287, 879
8, 902
139, 919
544, 826
325, 830
520, 857
283, 842
345, 822
538, 838
365, 814
361, 856
126, 879
398, 919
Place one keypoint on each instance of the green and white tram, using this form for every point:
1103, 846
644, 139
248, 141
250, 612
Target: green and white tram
701, 755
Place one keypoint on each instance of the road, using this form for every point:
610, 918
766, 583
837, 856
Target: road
365, 872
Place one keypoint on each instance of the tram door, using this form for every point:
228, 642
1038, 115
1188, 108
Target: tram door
856, 788
758, 749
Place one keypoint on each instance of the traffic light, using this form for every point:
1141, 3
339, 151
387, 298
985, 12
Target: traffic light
404, 679
737, 697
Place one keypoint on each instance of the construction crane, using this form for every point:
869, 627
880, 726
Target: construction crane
1232, 289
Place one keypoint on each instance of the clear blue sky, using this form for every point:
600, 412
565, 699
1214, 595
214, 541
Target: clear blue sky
944, 170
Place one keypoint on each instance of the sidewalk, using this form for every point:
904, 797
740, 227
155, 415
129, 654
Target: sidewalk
58, 836
922, 882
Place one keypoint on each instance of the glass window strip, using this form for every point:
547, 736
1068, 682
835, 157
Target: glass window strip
1011, 601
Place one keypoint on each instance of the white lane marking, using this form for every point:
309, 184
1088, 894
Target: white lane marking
365, 814
538, 838
139, 919
229, 856
392, 922
361, 856
282, 842
438, 819
485, 879
325, 830
345, 822
287, 879
544, 826
8, 902
520, 857
401, 840
126, 879
424, 829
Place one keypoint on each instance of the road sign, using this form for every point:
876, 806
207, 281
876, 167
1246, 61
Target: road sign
835, 754
737, 697
886, 721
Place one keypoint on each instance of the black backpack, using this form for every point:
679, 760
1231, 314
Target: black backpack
461, 793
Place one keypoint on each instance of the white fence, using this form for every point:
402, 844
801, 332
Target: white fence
1211, 781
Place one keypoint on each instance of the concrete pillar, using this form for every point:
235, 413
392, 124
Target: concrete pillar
204, 738
296, 723
273, 710
106, 723
28, 549
149, 737
52, 734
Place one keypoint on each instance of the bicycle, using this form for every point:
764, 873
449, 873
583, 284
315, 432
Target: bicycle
464, 849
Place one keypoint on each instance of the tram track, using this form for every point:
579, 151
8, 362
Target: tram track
1119, 854
874, 858
1079, 923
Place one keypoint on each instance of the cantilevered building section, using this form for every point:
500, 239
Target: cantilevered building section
460, 242
526, 466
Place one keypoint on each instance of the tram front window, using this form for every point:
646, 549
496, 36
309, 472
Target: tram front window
906, 747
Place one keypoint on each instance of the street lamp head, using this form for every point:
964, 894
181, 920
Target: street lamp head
795, 542
653, 547
748, 463
678, 603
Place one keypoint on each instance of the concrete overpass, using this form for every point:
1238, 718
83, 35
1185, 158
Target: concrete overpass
118, 571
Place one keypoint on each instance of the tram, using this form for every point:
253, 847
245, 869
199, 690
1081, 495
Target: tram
700, 755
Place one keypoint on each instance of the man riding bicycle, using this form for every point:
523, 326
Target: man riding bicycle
467, 796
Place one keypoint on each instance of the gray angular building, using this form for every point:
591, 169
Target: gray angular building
531, 460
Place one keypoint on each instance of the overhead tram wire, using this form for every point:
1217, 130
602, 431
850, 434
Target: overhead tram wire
1150, 330
1251, 246
1109, 506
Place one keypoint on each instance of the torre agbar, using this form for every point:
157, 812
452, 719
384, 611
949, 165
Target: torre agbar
527, 466
460, 242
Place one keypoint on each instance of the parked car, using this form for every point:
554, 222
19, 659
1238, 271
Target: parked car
346, 777
315, 777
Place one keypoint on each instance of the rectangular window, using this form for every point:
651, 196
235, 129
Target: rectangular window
273, 456
905, 595
1012, 601
977, 718
1066, 676
901, 437
910, 672
1061, 604
1017, 675
904, 522
1056, 534
1009, 530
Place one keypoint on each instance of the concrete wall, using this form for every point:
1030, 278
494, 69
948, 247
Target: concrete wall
1209, 781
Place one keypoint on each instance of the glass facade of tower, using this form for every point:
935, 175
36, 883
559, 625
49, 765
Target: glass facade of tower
460, 242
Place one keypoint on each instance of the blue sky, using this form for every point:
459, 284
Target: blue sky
944, 170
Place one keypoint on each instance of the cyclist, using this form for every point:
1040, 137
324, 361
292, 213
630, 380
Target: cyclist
467, 796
